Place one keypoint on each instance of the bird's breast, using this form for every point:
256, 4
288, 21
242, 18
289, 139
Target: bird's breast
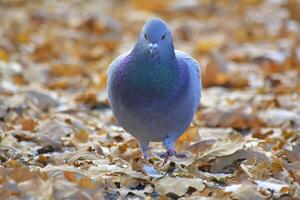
143, 86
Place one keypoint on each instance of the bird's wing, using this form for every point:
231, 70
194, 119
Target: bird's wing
192, 63
194, 71
115, 63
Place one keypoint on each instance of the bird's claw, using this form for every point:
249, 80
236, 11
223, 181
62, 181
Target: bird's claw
171, 153
168, 154
181, 156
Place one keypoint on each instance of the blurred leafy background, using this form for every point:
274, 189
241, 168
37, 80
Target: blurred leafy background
58, 134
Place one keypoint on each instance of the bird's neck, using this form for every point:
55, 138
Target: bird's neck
163, 58
147, 79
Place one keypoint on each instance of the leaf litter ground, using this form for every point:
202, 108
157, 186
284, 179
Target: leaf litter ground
59, 140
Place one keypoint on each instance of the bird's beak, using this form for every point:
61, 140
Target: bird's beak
152, 49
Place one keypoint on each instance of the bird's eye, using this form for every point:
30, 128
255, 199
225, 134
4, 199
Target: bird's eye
145, 36
163, 37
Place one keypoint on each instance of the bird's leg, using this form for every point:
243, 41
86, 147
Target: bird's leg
144, 149
147, 167
169, 145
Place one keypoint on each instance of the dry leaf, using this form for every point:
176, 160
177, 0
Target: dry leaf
58, 137
28, 124
178, 185
224, 147
82, 136
246, 192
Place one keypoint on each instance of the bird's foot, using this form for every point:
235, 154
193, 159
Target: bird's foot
170, 153
180, 156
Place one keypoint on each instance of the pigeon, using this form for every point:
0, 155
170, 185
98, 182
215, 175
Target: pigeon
154, 90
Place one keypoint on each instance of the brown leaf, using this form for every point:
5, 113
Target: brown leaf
234, 117
294, 154
87, 98
62, 84
19, 79
224, 147
191, 134
65, 70
240, 155
82, 136
87, 183
28, 124
246, 192
178, 185
70, 176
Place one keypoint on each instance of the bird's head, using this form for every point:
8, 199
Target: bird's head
156, 39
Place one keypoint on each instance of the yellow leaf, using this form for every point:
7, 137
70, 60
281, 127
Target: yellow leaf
22, 37
154, 5
3, 55
87, 183
207, 45
65, 70
70, 176
82, 136
87, 98
191, 134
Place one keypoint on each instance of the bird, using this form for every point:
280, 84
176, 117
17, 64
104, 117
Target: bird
154, 89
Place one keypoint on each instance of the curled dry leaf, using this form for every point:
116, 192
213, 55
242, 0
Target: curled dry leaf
294, 154
41, 100
13, 147
224, 147
278, 187
246, 192
234, 117
178, 185
240, 155
87, 98
279, 117
50, 133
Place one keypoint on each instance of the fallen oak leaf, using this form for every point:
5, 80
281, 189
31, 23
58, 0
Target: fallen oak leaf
234, 117
10, 144
215, 177
191, 134
87, 98
81, 136
155, 6
41, 99
294, 154
178, 185
80, 155
223, 147
28, 124
279, 117
38, 187
245, 191
201, 145
278, 188
242, 154
87, 183
3, 55
65, 70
